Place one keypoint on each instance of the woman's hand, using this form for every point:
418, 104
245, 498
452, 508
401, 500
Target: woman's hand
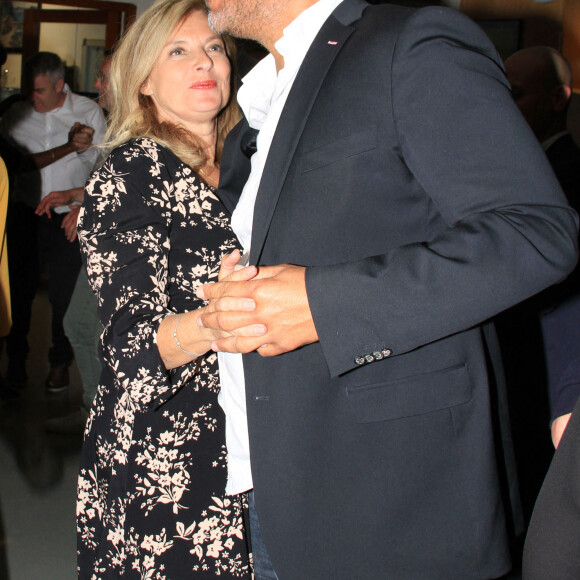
196, 339
53, 199
231, 263
280, 301
69, 222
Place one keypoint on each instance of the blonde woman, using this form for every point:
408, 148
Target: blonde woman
151, 500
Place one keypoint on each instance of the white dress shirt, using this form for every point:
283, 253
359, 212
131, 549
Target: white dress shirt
35, 132
262, 98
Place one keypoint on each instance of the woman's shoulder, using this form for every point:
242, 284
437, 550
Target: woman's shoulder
141, 166
137, 149
144, 151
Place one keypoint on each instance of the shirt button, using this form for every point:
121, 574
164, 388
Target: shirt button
378, 355
387, 352
369, 358
359, 360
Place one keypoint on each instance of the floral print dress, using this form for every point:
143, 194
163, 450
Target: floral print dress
151, 501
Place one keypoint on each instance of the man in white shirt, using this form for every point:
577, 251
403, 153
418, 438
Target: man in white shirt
388, 183
55, 130
81, 322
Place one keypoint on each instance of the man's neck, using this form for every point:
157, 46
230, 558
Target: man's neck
59, 103
61, 100
289, 11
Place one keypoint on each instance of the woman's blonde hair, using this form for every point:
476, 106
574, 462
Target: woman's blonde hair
132, 113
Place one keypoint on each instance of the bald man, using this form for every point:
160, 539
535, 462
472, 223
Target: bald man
541, 81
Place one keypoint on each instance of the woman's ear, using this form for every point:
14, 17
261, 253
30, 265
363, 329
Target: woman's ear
145, 88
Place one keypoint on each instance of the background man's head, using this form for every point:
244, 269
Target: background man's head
44, 75
102, 82
541, 81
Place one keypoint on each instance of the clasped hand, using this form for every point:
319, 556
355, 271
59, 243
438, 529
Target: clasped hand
80, 137
275, 301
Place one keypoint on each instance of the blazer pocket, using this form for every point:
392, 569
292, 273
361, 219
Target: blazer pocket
354, 144
410, 396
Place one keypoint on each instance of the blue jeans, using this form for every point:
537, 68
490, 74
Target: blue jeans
263, 569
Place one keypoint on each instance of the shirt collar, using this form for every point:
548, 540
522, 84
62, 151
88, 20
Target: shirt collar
301, 32
259, 84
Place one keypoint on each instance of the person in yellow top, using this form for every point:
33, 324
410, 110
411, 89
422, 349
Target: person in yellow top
5, 314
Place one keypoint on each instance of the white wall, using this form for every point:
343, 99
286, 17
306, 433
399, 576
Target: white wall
142, 5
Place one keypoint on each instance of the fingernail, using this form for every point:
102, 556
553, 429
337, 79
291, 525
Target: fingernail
200, 322
260, 329
214, 347
199, 293
249, 304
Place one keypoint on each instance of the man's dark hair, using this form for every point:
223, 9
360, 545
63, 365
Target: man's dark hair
44, 63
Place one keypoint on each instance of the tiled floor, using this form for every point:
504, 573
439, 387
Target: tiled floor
38, 472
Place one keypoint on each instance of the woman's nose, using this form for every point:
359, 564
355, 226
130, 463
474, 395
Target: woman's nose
204, 62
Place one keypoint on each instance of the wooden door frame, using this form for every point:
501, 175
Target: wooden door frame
116, 16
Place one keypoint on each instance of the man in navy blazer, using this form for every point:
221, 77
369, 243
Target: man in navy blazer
408, 203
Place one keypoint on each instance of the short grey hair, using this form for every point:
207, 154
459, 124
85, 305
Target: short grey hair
44, 63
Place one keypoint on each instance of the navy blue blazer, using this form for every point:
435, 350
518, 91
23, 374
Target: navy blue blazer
405, 179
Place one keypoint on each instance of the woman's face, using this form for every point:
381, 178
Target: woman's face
190, 82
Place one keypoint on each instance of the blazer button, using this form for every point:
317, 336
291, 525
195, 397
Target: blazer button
359, 360
369, 358
378, 355
387, 352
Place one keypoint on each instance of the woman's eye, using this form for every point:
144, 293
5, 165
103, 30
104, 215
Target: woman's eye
216, 48
176, 52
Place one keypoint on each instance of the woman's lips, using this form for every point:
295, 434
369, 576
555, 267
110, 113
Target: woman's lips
204, 85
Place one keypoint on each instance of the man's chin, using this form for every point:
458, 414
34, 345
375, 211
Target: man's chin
215, 22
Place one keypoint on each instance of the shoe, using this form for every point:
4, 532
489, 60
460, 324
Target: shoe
58, 379
72, 424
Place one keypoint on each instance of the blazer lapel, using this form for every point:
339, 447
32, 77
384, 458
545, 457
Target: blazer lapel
318, 60
234, 168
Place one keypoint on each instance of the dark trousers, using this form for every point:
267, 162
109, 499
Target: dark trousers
36, 243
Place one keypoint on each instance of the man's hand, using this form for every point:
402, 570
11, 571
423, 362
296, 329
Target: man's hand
80, 137
59, 198
279, 293
558, 427
69, 222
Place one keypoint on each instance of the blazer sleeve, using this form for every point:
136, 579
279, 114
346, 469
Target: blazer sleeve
509, 234
561, 333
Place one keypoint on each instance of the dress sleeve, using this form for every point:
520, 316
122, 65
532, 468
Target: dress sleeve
124, 230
